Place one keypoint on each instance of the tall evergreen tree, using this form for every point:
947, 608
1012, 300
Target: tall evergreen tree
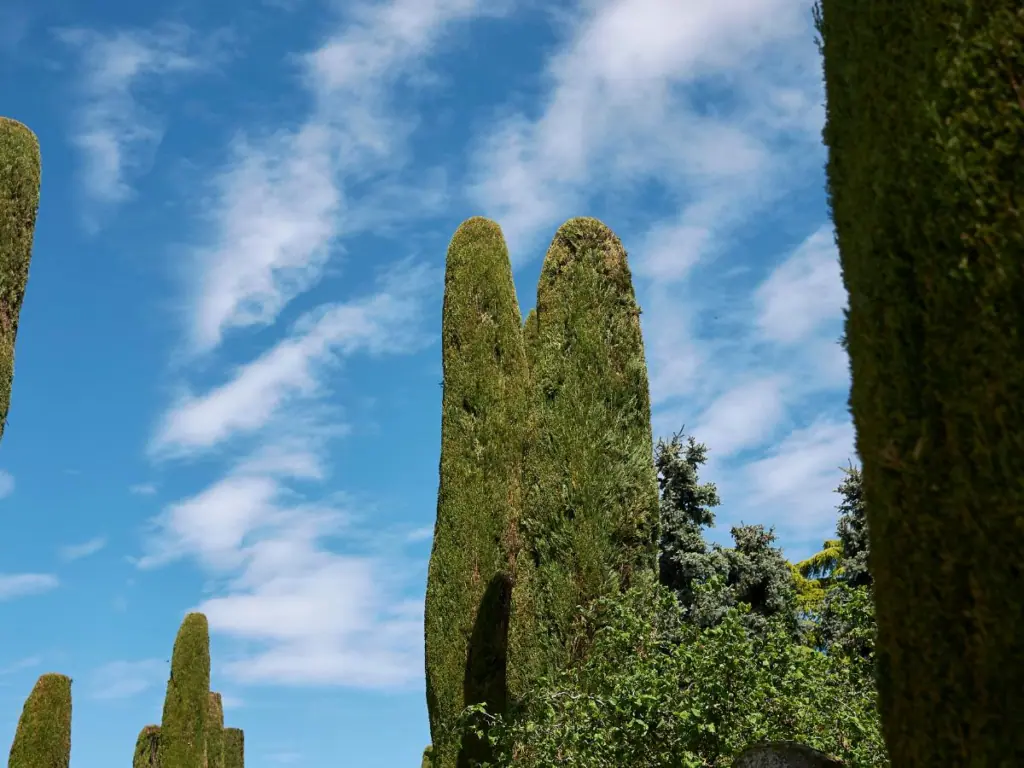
709, 580
479, 494
591, 514
19, 204
686, 509
186, 706
925, 129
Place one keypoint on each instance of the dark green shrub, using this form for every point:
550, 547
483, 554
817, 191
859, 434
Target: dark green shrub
43, 737
147, 748
19, 204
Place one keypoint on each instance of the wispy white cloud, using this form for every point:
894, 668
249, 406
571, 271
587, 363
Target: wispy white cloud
803, 292
21, 584
112, 129
294, 185
24, 663
125, 679
85, 549
800, 476
6, 484
142, 489
293, 369
744, 416
622, 107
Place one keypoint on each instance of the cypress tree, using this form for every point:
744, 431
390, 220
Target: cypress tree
925, 132
215, 732
19, 204
483, 403
147, 748
234, 748
186, 706
590, 516
43, 737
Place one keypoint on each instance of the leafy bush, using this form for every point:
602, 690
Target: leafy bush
658, 692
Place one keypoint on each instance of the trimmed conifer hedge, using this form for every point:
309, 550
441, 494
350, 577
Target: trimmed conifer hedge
215, 732
19, 204
147, 748
186, 706
925, 132
591, 503
43, 736
234, 748
479, 494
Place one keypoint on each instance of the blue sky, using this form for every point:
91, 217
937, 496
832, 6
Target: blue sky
226, 394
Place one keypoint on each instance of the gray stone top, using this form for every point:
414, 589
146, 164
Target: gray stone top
784, 754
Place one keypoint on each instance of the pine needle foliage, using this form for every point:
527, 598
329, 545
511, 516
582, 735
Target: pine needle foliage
187, 704
147, 748
479, 494
43, 736
19, 203
590, 518
925, 135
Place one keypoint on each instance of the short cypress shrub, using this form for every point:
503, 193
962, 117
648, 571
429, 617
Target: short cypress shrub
19, 204
215, 732
234, 748
147, 748
186, 706
43, 737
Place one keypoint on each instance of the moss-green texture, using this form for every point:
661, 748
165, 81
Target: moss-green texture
479, 494
591, 499
147, 748
426, 758
215, 732
925, 132
43, 737
234, 748
186, 706
19, 203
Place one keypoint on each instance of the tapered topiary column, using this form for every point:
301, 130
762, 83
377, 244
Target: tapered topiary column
591, 505
925, 136
483, 411
147, 748
234, 748
186, 707
215, 732
19, 203
43, 737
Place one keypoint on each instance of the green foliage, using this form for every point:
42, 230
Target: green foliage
19, 204
234, 748
215, 732
147, 748
186, 706
658, 692
590, 519
427, 752
925, 125
43, 736
479, 497
753, 571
